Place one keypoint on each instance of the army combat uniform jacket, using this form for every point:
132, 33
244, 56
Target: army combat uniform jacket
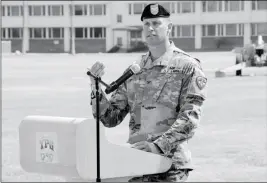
165, 103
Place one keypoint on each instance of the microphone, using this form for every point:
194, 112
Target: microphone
131, 71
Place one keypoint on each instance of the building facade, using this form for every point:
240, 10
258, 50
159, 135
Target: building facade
97, 26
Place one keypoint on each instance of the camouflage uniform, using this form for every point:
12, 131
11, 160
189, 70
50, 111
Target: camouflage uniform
164, 100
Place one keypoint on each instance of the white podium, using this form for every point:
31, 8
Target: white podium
66, 147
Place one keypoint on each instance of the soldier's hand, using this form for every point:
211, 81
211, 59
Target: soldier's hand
147, 146
137, 138
98, 70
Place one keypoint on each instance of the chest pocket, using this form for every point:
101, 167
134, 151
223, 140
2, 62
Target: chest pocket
135, 86
169, 90
154, 86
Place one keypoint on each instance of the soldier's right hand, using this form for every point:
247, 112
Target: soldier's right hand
98, 70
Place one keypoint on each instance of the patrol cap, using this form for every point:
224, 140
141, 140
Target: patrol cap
154, 11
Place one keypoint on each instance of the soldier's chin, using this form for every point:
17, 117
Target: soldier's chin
152, 42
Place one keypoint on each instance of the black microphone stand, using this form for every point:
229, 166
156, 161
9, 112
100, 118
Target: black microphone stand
97, 81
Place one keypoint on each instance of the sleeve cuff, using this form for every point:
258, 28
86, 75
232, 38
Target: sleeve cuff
164, 145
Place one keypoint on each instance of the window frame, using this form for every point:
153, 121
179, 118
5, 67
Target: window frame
51, 32
220, 30
85, 32
9, 33
84, 9
31, 10
3, 33
119, 41
236, 31
179, 7
3, 11
142, 7
255, 27
44, 33
178, 31
119, 18
227, 7
92, 33
256, 5
92, 9
10, 13
205, 6
50, 8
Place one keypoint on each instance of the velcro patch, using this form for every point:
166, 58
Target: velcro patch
201, 82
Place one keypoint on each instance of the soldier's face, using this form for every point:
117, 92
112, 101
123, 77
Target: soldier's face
156, 30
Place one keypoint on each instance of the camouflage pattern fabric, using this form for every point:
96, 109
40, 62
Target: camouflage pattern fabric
173, 175
165, 102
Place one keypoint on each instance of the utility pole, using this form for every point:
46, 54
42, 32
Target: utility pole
72, 29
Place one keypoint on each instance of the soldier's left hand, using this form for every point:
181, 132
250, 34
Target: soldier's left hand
146, 146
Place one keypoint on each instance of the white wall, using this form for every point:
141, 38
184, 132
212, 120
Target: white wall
121, 7
123, 35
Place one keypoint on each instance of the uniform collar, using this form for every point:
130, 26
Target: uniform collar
164, 59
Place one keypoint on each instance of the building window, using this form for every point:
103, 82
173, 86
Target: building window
172, 35
56, 33
81, 32
240, 29
136, 34
259, 29
230, 29
130, 8
211, 6
253, 30
97, 9
259, 5
3, 10
97, 32
37, 33
173, 5
55, 10
14, 11
262, 28
166, 5
119, 41
233, 5
204, 6
13, 33
138, 8
119, 18
186, 7
3, 33
220, 30
35, 10
80, 10
185, 31
209, 30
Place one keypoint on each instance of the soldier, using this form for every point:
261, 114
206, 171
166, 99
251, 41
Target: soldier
164, 99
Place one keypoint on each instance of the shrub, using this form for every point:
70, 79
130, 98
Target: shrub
114, 49
219, 41
138, 47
